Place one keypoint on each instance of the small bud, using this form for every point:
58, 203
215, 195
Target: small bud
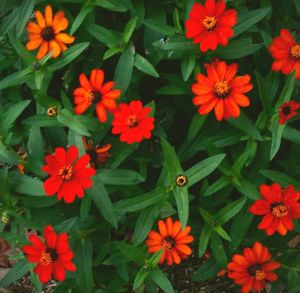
181, 180
4, 218
52, 111
36, 65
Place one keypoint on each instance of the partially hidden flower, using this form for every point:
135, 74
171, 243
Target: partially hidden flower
286, 53
172, 239
279, 207
221, 90
47, 33
98, 154
69, 176
52, 255
252, 269
133, 122
210, 24
95, 91
287, 111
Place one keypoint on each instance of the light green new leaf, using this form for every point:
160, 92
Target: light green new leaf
187, 64
84, 11
161, 280
144, 65
129, 29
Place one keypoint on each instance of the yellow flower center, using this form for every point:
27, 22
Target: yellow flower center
66, 173
279, 210
209, 23
132, 121
168, 243
181, 180
48, 33
295, 52
48, 256
222, 89
260, 275
94, 96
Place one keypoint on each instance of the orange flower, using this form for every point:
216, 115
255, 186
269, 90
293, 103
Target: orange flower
286, 53
221, 90
252, 269
172, 239
98, 154
95, 91
210, 24
47, 33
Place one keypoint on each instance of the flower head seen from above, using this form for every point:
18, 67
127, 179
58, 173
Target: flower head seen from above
279, 207
95, 91
287, 111
47, 33
210, 24
253, 268
133, 122
69, 176
98, 155
221, 90
286, 53
53, 256
172, 239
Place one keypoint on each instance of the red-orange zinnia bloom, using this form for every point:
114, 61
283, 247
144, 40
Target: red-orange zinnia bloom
278, 207
252, 269
69, 176
287, 111
286, 53
133, 122
221, 90
172, 239
98, 154
47, 33
52, 256
210, 24
94, 91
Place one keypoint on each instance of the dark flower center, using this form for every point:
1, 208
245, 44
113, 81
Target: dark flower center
66, 173
279, 210
295, 52
286, 110
93, 155
48, 33
132, 121
256, 272
48, 256
209, 23
168, 243
222, 89
94, 96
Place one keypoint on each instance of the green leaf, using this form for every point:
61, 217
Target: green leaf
280, 177
11, 115
144, 65
119, 177
247, 19
120, 153
25, 184
218, 250
100, 197
222, 232
68, 56
75, 138
171, 90
238, 49
112, 52
203, 169
26, 10
245, 124
103, 35
35, 144
113, 5
140, 277
297, 5
15, 273
129, 29
83, 261
229, 211
84, 11
159, 194
161, 280
7, 155
204, 240
216, 186
207, 270
67, 119
124, 69
42, 121
174, 43
66, 226
159, 27
291, 134
131, 252
15, 79
188, 62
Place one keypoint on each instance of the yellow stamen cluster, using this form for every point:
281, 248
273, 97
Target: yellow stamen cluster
280, 211
209, 22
